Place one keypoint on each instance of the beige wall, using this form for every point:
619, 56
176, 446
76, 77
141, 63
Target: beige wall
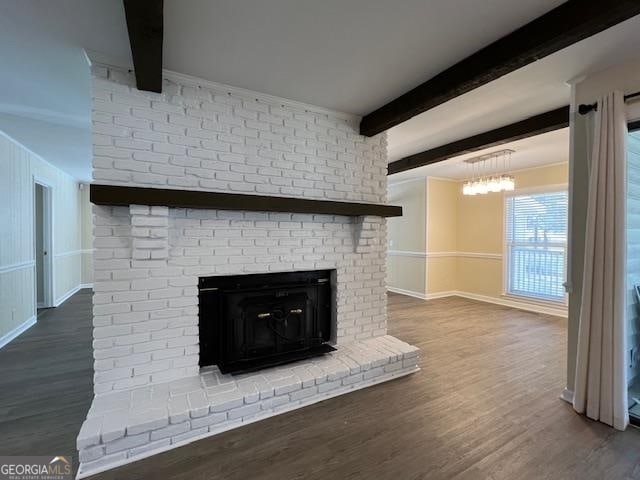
480, 220
406, 237
442, 225
481, 231
17, 262
464, 242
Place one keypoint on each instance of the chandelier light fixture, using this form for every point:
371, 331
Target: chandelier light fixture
484, 176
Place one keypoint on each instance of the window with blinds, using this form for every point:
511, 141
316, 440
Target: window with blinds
536, 245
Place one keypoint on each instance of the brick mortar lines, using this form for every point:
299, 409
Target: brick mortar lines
145, 301
148, 259
125, 427
206, 139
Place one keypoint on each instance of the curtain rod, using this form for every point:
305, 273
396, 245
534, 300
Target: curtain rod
583, 108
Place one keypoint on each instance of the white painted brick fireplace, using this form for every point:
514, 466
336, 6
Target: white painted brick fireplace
150, 394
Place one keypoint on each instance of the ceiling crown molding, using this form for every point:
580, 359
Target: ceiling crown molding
99, 59
46, 115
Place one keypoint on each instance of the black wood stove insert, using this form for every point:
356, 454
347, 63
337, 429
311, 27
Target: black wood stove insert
249, 322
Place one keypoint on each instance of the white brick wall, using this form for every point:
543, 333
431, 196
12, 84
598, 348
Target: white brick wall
148, 259
203, 137
145, 305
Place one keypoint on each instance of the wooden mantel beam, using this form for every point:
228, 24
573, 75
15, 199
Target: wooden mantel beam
145, 25
123, 196
559, 28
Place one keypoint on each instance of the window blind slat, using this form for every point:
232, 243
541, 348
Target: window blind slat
536, 244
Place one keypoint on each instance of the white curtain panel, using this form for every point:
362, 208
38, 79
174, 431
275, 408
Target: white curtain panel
600, 382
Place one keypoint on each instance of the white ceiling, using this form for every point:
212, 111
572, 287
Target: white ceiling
45, 81
350, 56
548, 148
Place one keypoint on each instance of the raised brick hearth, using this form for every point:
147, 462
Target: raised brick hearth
129, 425
150, 393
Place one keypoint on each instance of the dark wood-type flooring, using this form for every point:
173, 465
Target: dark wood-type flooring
484, 406
46, 382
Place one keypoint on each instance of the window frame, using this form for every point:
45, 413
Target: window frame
506, 258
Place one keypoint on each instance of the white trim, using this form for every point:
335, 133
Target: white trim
490, 256
17, 266
506, 273
85, 285
520, 305
409, 293
556, 187
67, 295
554, 164
410, 180
410, 253
98, 59
103, 59
505, 247
441, 254
573, 103
435, 295
48, 220
45, 115
567, 395
427, 222
190, 80
528, 306
443, 179
420, 177
310, 401
73, 252
17, 331
406, 253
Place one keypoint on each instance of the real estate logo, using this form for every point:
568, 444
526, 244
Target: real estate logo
36, 468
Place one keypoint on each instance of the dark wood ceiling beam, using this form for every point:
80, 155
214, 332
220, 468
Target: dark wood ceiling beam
559, 28
145, 26
543, 123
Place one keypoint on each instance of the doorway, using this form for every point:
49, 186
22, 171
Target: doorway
42, 245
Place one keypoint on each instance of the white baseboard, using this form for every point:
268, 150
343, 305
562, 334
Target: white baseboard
410, 293
434, 295
70, 293
567, 395
23, 327
506, 302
